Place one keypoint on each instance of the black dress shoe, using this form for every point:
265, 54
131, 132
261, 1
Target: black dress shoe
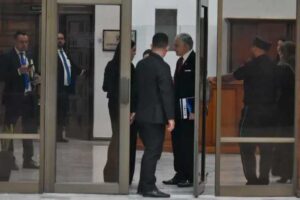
172, 181
282, 180
263, 181
156, 194
30, 165
62, 140
186, 183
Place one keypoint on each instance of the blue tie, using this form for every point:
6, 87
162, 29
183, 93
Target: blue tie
25, 76
66, 66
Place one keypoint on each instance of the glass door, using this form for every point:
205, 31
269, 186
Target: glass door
22, 105
255, 127
201, 95
88, 96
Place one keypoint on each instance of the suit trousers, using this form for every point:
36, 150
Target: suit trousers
27, 109
62, 112
111, 169
183, 149
152, 136
257, 121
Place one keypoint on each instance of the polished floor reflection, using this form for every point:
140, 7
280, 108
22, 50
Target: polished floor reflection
83, 162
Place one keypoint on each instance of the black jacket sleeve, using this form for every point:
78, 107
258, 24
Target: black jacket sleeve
166, 91
107, 74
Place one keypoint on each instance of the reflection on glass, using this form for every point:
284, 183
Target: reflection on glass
82, 111
20, 85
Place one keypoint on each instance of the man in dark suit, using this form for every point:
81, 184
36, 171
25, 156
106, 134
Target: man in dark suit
155, 109
66, 77
183, 134
19, 96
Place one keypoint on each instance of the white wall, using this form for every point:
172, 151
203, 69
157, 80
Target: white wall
212, 37
106, 17
143, 20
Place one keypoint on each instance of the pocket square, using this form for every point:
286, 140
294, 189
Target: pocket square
187, 70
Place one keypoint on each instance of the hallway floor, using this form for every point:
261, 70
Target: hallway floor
84, 160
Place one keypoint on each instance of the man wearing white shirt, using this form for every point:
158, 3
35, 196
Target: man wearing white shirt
183, 134
66, 78
19, 96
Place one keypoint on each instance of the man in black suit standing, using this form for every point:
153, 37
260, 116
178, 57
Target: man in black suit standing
19, 96
66, 77
183, 134
155, 109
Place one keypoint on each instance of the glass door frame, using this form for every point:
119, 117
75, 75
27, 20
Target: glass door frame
199, 181
274, 190
32, 187
50, 94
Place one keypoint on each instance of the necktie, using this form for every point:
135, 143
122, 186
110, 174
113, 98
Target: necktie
179, 65
66, 66
25, 76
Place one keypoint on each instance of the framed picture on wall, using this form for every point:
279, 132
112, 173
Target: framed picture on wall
111, 38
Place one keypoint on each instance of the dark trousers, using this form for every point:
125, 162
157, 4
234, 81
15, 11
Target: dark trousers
27, 109
111, 169
257, 121
62, 112
248, 152
152, 136
283, 155
183, 149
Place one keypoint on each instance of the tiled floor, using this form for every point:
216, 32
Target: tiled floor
87, 159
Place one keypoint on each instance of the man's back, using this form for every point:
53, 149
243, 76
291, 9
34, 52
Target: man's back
155, 93
260, 83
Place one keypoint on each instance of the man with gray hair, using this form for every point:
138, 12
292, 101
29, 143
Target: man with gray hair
183, 134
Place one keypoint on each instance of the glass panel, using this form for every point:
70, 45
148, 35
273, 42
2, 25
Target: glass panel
20, 89
258, 86
145, 28
88, 94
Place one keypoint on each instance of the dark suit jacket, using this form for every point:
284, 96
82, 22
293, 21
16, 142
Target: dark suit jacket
75, 71
14, 83
184, 81
111, 83
155, 92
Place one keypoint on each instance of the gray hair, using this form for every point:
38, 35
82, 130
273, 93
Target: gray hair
187, 39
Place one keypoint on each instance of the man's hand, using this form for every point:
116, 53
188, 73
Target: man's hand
24, 69
83, 72
192, 116
36, 79
132, 118
171, 125
212, 79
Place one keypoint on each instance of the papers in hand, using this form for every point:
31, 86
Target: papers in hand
186, 107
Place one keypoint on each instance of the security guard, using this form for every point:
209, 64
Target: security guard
259, 112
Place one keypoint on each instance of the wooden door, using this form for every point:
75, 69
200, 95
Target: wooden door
243, 31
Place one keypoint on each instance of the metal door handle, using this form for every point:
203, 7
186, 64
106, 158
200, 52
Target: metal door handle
125, 91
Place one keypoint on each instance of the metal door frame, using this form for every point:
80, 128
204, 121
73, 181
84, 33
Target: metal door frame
50, 95
199, 185
268, 190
